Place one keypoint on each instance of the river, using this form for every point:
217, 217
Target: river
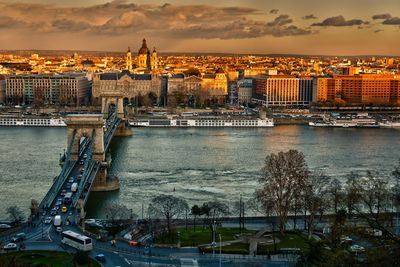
196, 164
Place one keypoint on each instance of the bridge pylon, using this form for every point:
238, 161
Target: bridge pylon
112, 98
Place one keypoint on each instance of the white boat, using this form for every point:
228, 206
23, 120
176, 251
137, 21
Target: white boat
346, 122
203, 123
389, 124
31, 122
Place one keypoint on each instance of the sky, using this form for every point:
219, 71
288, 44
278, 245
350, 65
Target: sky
340, 27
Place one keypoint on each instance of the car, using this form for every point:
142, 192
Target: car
357, 248
345, 239
64, 209
53, 212
71, 180
10, 246
63, 192
18, 237
85, 156
48, 220
133, 243
79, 177
59, 229
4, 226
100, 257
58, 203
81, 162
82, 170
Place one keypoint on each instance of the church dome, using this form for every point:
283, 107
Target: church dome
144, 50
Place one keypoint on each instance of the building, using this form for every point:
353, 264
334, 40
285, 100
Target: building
358, 89
129, 84
38, 89
129, 60
244, 91
216, 86
2, 91
283, 90
146, 62
192, 87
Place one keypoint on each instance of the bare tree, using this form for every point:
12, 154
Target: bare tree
169, 207
216, 210
285, 174
373, 202
15, 214
314, 191
115, 211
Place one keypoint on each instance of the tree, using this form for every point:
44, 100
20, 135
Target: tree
196, 211
169, 207
115, 211
216, 210
314, 191
335, 192
15, 214
285, 174
373, 201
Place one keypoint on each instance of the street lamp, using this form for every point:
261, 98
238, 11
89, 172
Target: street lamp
214, 226
220, 250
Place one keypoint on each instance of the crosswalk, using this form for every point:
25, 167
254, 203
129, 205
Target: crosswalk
189, 262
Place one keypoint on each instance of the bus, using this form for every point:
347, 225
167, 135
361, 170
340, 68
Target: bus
76, 240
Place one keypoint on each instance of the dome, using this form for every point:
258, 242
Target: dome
144, 50
193, 72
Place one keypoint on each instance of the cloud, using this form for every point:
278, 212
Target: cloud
381, 16
339, 21
274, 11
123, 18
392, 21
70, 25
311, 16
6, 21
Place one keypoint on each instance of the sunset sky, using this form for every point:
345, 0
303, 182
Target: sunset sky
340, 27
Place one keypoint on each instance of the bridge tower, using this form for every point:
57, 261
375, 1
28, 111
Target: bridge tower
112, 98
91, 126
88, 126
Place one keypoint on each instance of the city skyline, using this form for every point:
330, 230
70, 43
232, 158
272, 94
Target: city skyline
256, 27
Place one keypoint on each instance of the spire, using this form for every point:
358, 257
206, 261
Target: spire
154, 49
129, 49
144, 43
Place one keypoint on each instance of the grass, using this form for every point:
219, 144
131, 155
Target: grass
40, 258
289, 240
190, 237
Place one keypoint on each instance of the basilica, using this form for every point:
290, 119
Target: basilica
147, 62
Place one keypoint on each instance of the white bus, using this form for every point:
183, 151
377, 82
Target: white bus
76, 240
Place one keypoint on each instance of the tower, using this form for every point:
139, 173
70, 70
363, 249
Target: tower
154, 60
144, 56
129, 60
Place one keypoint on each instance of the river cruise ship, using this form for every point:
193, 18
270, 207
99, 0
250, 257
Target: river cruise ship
352, 121
202, 122
31, 121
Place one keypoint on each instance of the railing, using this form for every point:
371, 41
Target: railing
64, 174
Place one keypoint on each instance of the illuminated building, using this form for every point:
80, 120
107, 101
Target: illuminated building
358, 89
65, 89
283, 90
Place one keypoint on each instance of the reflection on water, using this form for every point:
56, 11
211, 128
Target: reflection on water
196, 164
